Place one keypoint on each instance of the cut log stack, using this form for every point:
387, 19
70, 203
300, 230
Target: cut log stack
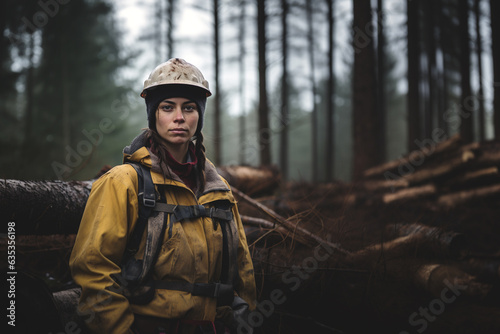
446, 174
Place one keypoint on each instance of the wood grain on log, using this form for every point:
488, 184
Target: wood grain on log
43, 207
410, 194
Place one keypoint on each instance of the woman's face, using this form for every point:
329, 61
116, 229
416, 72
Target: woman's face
176, 121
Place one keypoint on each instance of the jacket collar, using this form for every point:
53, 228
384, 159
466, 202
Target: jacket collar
138, 152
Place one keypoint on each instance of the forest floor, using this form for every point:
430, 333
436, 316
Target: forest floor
443, 281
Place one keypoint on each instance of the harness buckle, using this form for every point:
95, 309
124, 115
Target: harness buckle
216, 290
148, 202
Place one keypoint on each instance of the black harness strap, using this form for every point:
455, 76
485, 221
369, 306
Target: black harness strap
182, 212
147, 202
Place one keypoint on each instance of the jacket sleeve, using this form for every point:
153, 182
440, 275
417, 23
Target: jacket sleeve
245, 284
108, 217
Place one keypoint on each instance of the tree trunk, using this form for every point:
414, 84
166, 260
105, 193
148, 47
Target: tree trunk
217, 135
330, 96
28, 118
381, 138
413, 40
442, 80
242, 84
158, 32
467, 109
429, 112
43, 207
284, 91
314, 111
264, 134
495, 46
364, 90
479, 55
170, 28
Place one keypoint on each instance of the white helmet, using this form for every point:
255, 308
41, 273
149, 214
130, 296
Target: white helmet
175, 71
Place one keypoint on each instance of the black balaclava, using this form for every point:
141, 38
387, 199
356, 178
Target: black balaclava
157, 94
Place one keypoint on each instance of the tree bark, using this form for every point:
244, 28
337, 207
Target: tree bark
461, 197
314, 111
264, 134
242, 84
28, 118
381, 138
468, 110
366, 150
284, 90
495, 46
413, 40
479, 55
170, 28
330, 96
252, 181
217, 135
410, 194
431, 69
416, 155
43, 207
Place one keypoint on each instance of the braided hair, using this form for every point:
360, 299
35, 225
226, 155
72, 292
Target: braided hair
201, 160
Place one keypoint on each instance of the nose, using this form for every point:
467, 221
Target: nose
179, 115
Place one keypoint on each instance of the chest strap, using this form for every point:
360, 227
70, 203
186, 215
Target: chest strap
183, 212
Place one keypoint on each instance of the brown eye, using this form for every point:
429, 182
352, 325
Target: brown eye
166, 107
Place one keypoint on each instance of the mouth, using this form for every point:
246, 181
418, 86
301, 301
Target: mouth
178, 130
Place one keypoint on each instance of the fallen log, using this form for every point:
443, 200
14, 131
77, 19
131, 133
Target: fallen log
416, 155
439, 278
460, 197
437, 170
472, 178
251, 180
43, 207
451, 243
409, 194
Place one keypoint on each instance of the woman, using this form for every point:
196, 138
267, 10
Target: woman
174, 285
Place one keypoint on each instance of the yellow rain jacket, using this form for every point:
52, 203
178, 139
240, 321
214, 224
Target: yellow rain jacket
193, 253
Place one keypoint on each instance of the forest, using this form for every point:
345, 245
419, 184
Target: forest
366, 130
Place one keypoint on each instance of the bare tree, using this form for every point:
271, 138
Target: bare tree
414, 127
441, 77
466, 125
30, 83
479, 55
314, 90
157, 37
495, 43
217, 112
284, 90
330, 94
241, 61
430, 101
264, 131
170, 27
381, 82
364, 90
